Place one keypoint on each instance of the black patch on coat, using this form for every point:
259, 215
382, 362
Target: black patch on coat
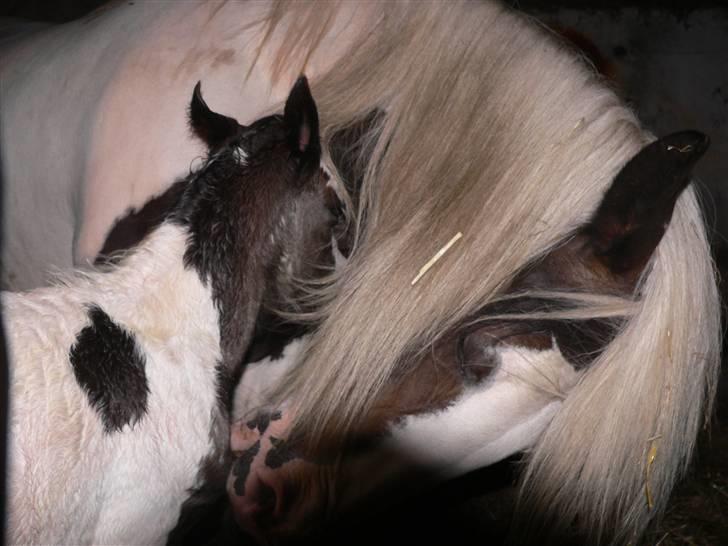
211, 524
242, 466
222, 247
280, 454
110, 368
212, 128
263, 420
205, 513
272, 335
131, 228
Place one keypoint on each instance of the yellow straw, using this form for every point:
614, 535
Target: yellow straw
440, 254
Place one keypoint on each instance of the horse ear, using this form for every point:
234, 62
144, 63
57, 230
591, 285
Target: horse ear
636, 210
213, 128
300, 118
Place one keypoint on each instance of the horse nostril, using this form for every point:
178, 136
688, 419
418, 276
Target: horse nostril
256, 511
266, 501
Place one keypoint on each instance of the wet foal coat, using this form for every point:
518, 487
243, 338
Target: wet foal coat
121, 379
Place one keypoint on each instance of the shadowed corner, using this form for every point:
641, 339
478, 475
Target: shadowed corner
3, 388
464, 511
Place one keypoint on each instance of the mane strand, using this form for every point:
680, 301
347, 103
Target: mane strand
491, 124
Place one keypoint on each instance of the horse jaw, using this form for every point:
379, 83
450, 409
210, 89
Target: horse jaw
498, 418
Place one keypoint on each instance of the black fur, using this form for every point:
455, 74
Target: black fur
203, 513
241, 468
280, 454
241, 213
300, 117
637, 208
110, 368
262, 420
272, 335
129, 230
213, 128
233, 214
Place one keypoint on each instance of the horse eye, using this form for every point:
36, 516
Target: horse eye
333, 203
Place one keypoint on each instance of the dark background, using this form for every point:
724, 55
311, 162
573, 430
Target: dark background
66, 10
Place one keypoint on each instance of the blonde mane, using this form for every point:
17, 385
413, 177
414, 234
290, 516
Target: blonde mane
495, 130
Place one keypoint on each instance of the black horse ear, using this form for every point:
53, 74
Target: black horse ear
300, 118
213, 128
636, 210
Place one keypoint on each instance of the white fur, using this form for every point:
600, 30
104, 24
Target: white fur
261, 376
70, 482
240, 156
503, 415
99, 81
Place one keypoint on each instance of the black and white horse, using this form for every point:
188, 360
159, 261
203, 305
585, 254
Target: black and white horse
491, 129
121, 378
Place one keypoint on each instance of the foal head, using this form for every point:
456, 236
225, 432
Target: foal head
533, 336
256, 213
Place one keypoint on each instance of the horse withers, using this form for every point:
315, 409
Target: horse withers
121, 378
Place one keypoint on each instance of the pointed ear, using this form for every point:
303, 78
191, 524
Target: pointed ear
300, 117
636, 210
213, 128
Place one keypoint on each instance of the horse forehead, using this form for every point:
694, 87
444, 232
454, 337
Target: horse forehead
267, 129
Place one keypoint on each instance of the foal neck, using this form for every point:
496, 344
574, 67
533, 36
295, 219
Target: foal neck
154, 294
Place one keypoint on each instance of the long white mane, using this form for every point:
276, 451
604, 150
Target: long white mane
495, 130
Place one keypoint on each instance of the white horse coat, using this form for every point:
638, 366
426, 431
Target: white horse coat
72, 483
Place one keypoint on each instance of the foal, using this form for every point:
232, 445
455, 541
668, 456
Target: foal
121, 379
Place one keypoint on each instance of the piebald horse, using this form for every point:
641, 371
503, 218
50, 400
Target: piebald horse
121, 380
531, 344
481, 124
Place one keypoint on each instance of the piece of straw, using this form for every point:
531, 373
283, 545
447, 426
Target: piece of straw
440, 253
651, 455
684, 149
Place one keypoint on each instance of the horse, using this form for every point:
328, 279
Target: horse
121, 378
490, 128
536, 333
